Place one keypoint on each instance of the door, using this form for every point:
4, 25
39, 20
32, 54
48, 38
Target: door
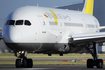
85, 26
43, 24
60, 27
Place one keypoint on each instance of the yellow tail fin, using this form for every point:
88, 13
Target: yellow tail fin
88, 7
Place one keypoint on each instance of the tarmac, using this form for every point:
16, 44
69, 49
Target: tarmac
49, 59
49, 67
46, 59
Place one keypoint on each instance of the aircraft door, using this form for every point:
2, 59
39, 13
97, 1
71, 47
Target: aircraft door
85, 25
60, 27
43, 24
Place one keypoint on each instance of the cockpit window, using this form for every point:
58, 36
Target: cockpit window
19, 22
7, 22
11, 22
27, 23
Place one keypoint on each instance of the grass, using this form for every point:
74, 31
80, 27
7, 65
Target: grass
57, 56
7, 62
11, 55
7, 55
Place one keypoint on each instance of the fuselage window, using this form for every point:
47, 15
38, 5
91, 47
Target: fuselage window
53, 23
74, 24
11, 22
27, 23
19, 22
7, 22
91, 26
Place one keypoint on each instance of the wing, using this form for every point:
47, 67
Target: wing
101, 28
87, 38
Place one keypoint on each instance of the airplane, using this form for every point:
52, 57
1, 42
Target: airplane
50, 31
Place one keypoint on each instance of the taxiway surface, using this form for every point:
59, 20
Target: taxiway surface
49, 67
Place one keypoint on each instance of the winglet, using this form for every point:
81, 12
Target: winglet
88, 7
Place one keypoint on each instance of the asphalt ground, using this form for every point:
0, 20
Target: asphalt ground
50, 67
48, 59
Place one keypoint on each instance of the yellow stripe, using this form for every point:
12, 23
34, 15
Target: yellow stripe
55, 17
89, 7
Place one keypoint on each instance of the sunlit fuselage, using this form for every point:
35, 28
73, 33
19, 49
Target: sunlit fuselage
34, 29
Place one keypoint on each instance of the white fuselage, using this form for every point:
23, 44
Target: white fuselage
48, 28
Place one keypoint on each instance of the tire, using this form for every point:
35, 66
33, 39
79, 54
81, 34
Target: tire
99, 63
25, 63
90, 63
29, 63
18, 63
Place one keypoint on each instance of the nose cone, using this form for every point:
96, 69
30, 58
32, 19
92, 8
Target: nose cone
12, 35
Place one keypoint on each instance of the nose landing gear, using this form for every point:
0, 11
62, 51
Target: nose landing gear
23, 62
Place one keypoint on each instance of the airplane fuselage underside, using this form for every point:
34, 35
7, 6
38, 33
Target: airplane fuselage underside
54, 48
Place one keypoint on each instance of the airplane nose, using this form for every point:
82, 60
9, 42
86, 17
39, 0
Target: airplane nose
13, 35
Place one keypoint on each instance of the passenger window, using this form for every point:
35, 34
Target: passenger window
7, 22
19, 22
27, 23
11, 22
